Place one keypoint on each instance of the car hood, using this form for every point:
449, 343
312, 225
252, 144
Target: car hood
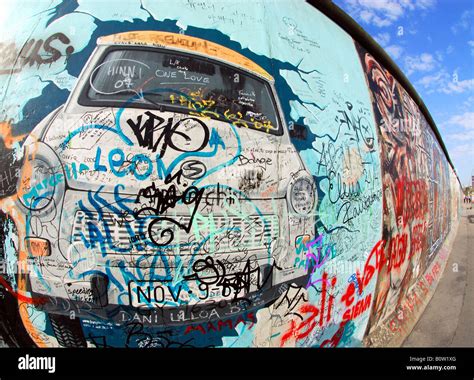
140, 149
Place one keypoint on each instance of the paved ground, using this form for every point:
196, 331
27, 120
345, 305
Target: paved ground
448, 320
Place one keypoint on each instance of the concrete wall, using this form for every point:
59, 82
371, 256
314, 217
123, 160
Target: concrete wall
357, 269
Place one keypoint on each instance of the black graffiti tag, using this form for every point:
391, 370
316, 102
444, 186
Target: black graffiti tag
359, 124
212, 274
12, 60
154, 131
161, 201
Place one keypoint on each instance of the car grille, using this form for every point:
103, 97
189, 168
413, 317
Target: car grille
210, 233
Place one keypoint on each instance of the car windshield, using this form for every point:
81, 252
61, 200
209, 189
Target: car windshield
166, 79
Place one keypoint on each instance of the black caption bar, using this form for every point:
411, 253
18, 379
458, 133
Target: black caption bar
291, 362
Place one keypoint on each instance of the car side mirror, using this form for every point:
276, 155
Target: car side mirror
298, 131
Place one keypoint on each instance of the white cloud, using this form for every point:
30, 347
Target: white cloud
459, 136
423, 62
371, 17
459, 86
465, 120
383, 38
429, 81
425, 4
394, 50
464, 22
460, 128
463, 136
468, 104
442, 82
383, 13
461, 151
471, 44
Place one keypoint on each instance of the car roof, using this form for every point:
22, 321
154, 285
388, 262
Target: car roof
181, 42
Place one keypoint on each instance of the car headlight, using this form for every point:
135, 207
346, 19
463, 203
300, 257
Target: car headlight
38, 185
41, 178
302, 196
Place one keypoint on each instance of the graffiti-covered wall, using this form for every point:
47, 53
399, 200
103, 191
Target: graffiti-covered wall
211, 174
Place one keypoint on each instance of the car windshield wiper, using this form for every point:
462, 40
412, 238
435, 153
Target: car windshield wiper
145, 95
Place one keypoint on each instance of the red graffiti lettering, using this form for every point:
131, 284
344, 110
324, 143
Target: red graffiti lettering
303, 329
358, 309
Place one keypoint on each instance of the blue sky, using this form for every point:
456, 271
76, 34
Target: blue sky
432, 41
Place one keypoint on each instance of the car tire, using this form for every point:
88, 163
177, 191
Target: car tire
12, 331
67, 331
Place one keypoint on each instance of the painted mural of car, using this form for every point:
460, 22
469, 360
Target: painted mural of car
166, 190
